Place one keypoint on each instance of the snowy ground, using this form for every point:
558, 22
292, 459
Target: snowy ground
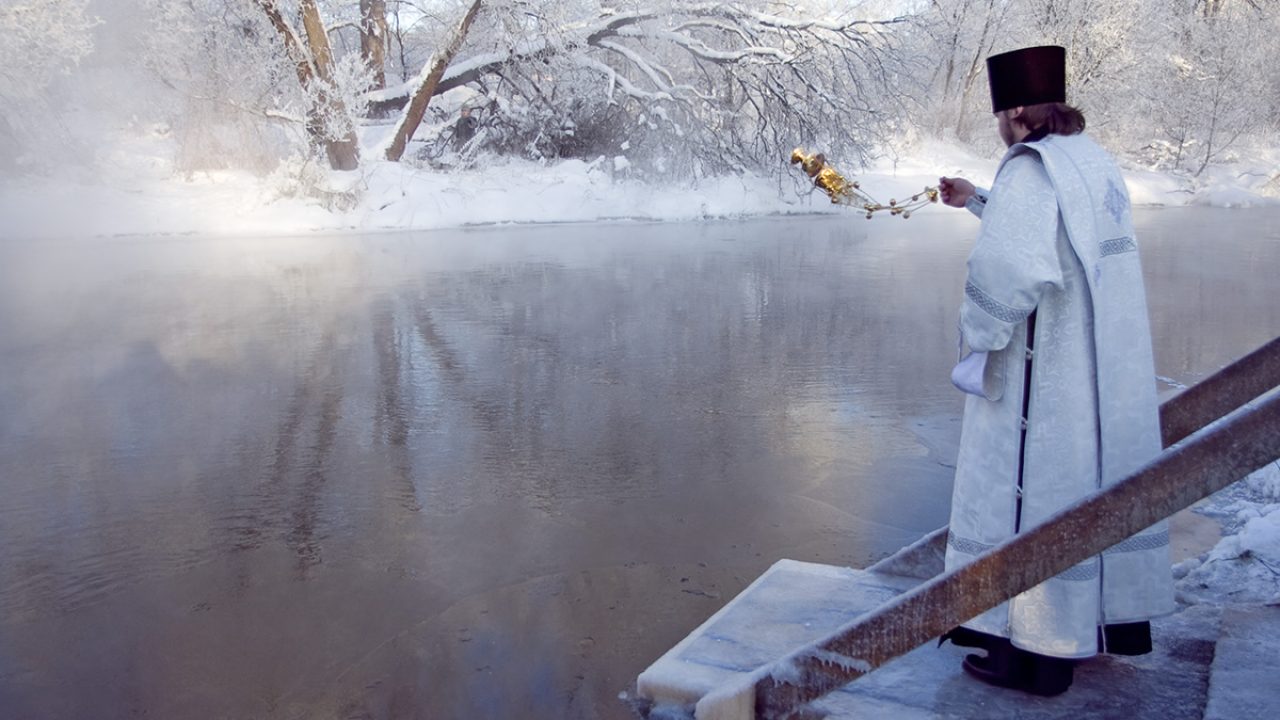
134, 190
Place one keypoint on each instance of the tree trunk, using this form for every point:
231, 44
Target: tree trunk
373, 39
313, 65
412, 116
343, 152
975, 68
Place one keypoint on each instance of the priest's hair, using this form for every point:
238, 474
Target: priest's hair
1055, 118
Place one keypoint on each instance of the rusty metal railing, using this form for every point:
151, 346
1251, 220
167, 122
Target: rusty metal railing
1220, 393
1244, 441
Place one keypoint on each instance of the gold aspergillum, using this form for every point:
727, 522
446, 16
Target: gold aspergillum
843, 192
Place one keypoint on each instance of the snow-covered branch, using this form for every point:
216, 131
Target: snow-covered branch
739, 81
615, 79
699, 49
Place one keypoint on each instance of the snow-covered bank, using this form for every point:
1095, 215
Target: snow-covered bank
379, 197
136, 192
1244, 567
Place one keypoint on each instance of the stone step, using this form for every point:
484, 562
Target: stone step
1245, 678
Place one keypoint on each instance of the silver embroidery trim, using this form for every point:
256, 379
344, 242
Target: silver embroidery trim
993, 307
1140, 542
1086, 570
1115, 246
967, 546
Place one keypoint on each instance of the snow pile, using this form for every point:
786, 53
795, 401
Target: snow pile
1244, 567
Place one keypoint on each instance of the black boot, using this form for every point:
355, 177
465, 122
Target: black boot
1048, 676
1007, 666
1001, 666
1125, 638
962, 636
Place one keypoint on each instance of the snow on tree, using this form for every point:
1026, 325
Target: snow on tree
253, 73
958, 35
1216, 85
374, 36
329, 123
234, 97
1178, 81
427, 82
687, 87
43, 39
679, 88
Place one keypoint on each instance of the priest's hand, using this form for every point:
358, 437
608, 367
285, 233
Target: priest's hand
955, 191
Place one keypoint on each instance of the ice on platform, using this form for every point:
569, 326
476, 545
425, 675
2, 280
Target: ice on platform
792, 604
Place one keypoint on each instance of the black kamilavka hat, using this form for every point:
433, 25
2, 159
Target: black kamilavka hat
1029, 76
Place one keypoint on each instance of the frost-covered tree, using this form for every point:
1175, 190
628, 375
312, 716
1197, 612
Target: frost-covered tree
303, 63
1215, 85
426, 84
42, 40
234, 98
678, 87
374, 37
320, 75
681, 86
258, 73
957, 36
1179, 81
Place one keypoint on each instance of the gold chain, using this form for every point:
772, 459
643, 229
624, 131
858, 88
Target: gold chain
846, 192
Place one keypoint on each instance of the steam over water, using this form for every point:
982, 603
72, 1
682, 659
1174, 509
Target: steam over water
489, 473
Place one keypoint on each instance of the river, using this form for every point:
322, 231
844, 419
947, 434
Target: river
484, 473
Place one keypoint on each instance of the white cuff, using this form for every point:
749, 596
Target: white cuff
978, 202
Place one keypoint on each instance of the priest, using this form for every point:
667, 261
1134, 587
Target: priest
1055, 353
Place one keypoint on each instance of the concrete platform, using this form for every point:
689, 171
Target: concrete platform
794, 603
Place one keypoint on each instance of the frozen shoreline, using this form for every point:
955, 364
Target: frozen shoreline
137, 192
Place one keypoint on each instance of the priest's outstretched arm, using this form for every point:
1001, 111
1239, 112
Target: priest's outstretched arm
1015, 257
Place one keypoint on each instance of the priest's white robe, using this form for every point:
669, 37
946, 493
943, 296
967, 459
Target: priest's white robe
1057, 238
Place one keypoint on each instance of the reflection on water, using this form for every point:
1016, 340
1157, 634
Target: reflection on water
488, 473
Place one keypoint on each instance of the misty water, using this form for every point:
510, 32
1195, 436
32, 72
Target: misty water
487, 473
